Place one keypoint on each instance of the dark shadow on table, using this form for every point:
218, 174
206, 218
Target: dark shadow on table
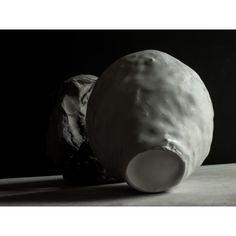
56, 192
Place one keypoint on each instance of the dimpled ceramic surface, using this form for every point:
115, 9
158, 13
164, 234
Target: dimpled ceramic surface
146, 101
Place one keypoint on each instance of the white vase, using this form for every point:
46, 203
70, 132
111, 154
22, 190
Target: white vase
150, 120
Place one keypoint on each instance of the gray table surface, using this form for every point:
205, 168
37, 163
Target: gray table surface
213, 185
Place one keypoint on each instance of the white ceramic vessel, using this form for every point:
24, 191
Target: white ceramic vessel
150, 120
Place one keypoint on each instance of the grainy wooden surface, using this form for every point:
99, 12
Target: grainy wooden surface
213, 185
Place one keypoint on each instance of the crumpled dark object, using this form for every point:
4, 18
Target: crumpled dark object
67, 142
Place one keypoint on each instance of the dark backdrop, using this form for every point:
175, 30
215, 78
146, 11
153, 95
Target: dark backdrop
34, 63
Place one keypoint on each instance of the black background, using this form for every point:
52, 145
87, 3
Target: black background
34, 63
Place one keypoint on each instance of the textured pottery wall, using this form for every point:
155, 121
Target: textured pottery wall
150, 101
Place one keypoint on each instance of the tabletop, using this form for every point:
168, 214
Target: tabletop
210, 185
